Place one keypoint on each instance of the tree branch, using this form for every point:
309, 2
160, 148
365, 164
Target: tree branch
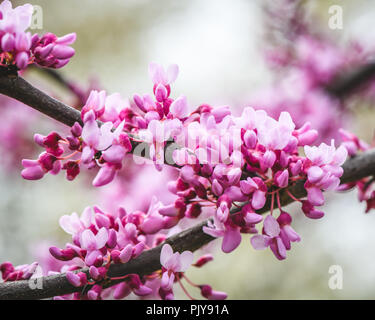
347, 84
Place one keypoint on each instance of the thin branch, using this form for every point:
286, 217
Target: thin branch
347, 84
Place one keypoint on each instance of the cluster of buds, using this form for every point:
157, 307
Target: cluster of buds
227, 163
100, 239
23, 272
229, 166
20, 48
365, 186
91, 146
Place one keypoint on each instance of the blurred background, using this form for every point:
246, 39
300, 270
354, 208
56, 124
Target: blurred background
236, 53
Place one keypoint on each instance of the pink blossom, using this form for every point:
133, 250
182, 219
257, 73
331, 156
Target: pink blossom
173, 263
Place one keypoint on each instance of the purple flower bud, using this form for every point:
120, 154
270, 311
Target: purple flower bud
112, 239
76, 130
67, 39
161, 93
250, 139
74, 279
22, 60
33, 173
217, 189
138, 249
7, 42
169, 211
62, 52
282, 178
105, 175
203, 260
126, 253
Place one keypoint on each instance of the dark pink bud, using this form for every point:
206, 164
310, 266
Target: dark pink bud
94, 292
74, 143
124, 140
284, 219
161, 93
6, 269
250, 139
72, 170
63, 254
208, 293
76, 130
194, 211
310, 211
203, 260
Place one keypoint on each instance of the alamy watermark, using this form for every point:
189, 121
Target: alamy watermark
336, 280
37, 18
336, 21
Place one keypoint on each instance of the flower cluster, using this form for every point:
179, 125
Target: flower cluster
100, 239
89, 146
229, 167
365, 186
20, 48
23, 272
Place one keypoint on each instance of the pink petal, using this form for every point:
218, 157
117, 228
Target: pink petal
166, 253
186, 259
172, 73
101, 238
90, 133
126, 253
105, 175
114, 154
179, 108
259, 200
315, 196
271, 226
88, 241
259, 242
231, 240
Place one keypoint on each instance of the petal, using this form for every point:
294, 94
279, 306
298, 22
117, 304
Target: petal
92, 256
259, 242
271, 226
105, 175
101, 238
315, 196
166, 253
231, 240
259, 200
172, 73
90, 133
186, 259
114, 154
88, 241
179, 107
156, 73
